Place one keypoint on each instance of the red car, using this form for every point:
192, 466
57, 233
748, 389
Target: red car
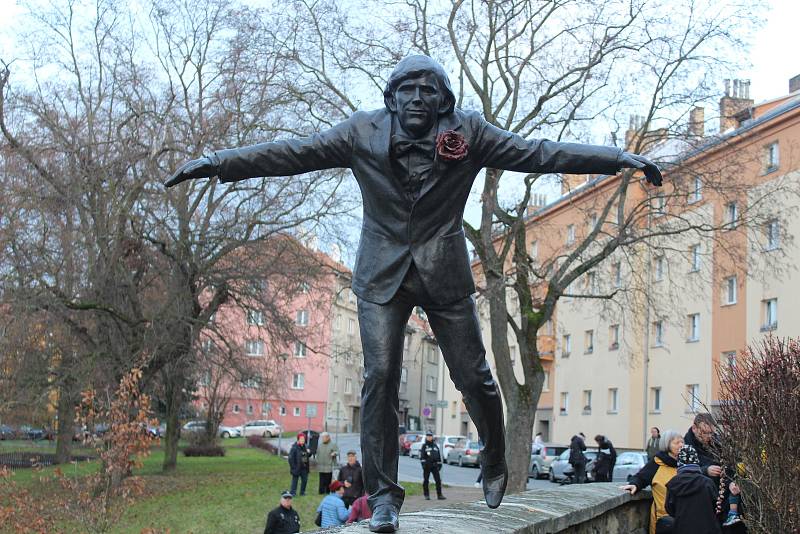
407, 439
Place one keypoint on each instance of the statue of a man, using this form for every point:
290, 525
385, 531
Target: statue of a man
415, 162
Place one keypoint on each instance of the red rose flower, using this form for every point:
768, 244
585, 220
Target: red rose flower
451, 146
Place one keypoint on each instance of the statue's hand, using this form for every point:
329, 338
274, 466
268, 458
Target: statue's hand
197, 168
635, 161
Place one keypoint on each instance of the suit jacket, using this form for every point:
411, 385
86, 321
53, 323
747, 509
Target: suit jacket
428, 230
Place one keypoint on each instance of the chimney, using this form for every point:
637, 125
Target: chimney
734, 106
538, 201
570, 182
635, 124
697, 121
794, 84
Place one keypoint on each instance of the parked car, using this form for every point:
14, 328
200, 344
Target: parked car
464, 453
266, 428
628, 463
222, 432
448, 442
406, 440
541, 460
413, 451
36, 434
561, 469
229, 431
7, 432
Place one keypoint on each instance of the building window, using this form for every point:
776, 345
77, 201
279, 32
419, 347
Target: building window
351, 326
337, 322
249, 409
729, 360
658, 268
283, 410
616, 274
658, 333
697, 190
254, 347
773, 234
304, 287
404, 375
730, 290
431, 383
564, 409
613, 337
296, 411
613, 400
348, 386
591, 283
592, 222
694, 258
302, 318
771, 157
570, 234
587, 401
251, 383
432, 356
351, 297
255, 317
335, 383
693, 397
266, 408
566, 345
770, 313
406, 345
534, 251
311, 410
588, 342
693, 327
659, 203
655, 396
298, 381
546, 383
512, 351
235, 408
300, 349
731, 215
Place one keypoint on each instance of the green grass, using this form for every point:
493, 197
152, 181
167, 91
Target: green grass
215, 495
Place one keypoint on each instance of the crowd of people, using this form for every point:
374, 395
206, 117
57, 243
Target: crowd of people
692, 492
344, 500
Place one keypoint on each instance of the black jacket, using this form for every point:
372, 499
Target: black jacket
353, 475
576, 448
428, 230
430, 455
606, 458
282, 521
707, 457
298, 459
691, 501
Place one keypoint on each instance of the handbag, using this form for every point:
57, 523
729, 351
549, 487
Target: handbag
318, 520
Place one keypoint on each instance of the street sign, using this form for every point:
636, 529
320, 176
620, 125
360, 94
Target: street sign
426, 411
440, 404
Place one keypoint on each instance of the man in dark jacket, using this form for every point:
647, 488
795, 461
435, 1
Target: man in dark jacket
299, 464
692, 497
415, 162
284, 519
606, 458
701, 437
430, 455
351, 476
576, 458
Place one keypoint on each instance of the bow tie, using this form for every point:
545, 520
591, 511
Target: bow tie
402, 145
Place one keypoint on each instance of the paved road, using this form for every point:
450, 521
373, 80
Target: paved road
409, 469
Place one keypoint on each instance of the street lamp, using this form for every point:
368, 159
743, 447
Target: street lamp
283, 357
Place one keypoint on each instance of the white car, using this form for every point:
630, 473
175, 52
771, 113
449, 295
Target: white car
413, 452
446, 443
229, 431
223, 431
265, 428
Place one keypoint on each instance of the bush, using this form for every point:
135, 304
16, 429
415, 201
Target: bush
759, 425
203, 450
260, 443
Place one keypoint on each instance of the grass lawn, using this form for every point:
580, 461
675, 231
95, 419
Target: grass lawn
214, 495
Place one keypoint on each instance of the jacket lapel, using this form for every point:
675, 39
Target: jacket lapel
380, 139
448, 122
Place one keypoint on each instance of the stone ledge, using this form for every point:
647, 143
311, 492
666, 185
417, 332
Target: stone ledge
560, 509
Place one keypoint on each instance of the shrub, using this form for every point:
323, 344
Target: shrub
204, 450
759, 425
260, 443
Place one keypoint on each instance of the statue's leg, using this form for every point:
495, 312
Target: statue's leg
382, 330
458, 332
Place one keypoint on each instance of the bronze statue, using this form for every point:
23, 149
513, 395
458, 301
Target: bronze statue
415, 162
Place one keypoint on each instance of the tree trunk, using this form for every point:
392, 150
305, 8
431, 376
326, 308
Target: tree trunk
66, 422
518, 440
174, 398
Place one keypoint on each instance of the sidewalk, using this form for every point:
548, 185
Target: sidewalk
454, 494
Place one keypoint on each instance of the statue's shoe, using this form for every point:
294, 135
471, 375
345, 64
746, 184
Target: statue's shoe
495, 480
384, 519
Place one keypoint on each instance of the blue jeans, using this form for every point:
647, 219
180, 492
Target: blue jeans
304, 480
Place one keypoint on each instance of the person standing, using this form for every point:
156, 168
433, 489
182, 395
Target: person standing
332, 506
692, 497
351, 476
576, 457
652, 443
606, 458
298, 464
283, 519
327, 456
431, 458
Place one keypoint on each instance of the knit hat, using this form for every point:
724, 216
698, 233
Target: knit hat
335, 485
688, 456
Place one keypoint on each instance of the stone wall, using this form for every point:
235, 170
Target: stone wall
598, 508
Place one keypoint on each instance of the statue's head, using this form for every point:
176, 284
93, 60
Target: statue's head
418, 91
